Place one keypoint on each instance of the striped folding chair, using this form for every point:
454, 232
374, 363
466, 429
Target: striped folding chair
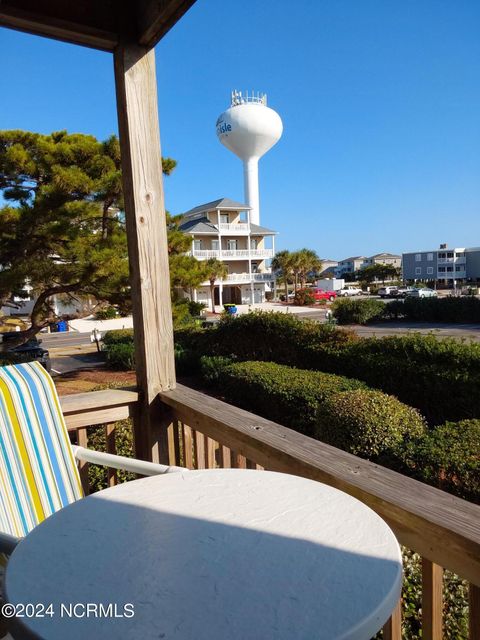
38, 472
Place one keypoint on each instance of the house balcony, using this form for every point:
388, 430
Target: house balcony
203, 432
452, 260
231, 254
234, 229
451, 275
242, 278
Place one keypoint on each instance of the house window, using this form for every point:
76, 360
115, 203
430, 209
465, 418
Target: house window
254, 267
460, 255
254, 243
197, 245
215, 245
450, 254
442, 255
441, 269
418, 271
430, 256
459, 267
232, 245
224, 218
418, 257
429, 270
449, 269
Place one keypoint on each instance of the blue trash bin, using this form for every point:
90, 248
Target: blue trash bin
230, 309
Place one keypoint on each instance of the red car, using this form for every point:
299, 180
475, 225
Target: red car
320, 294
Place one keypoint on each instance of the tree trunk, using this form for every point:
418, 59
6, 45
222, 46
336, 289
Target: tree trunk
286, 289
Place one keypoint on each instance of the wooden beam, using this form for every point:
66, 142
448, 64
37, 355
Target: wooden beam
57, 28
439, 526
156, 17
97, 407
147, 242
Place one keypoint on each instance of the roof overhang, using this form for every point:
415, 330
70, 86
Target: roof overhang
101, 24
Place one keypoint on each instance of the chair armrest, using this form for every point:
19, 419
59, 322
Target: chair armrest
133, 465
8, 543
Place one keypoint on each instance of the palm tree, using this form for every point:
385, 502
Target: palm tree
307, 261
282, 265
214, 270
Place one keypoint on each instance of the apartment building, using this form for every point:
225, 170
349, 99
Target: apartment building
222, 229
383, 258
349, 265
445, 266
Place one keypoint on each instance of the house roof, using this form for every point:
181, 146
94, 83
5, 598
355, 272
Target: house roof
221, 203
386, 255
353, 258
199, 225
203, 225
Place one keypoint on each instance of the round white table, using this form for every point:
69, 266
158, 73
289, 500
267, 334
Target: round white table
208, 555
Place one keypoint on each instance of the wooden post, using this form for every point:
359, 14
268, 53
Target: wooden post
392, 629
147, 242
432, 600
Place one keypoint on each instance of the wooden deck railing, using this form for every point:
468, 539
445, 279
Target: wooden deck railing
208, 433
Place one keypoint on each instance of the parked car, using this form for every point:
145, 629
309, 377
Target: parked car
423, 293
402, 292
387, 292
27, 352
346, 292
321, 294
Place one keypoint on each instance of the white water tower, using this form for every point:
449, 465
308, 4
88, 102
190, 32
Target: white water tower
249, 128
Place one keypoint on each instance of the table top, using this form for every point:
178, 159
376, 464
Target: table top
215, 554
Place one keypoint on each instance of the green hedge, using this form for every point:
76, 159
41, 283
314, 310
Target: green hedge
448, 457
368, 423
121, 356
338, 410
118, 336
438, 377
452, 309
354, 311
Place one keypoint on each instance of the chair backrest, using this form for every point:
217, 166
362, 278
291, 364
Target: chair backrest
38, 475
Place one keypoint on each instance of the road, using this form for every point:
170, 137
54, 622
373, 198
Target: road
64, 339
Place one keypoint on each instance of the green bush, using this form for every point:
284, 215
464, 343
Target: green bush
117, 336
448, 457
121, 356
213, 367
271, 336
195, 308
451, 309
438, 377
106, 314
368, 423
98, 475
354, 311
303, 297
292, 397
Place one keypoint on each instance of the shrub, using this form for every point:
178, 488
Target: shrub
303, 297
121, 356
213, 367
106, 314
418, 369
98, 475
448, 457
187, 362
195, 308
451, 309
368, 423
118, 336
271, 336
351, 311
292, 397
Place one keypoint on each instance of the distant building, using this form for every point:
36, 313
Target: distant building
384, 258
328, 268
350, 265
445, 266
222, 229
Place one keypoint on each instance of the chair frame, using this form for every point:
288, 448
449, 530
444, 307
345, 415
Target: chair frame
140, 467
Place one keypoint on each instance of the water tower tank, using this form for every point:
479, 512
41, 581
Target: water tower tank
249, 128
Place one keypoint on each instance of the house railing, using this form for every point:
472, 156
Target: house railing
207, 433
238, 227
231, 253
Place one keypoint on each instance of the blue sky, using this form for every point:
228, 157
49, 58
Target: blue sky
380, 101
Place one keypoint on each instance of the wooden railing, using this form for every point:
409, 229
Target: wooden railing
206, 433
